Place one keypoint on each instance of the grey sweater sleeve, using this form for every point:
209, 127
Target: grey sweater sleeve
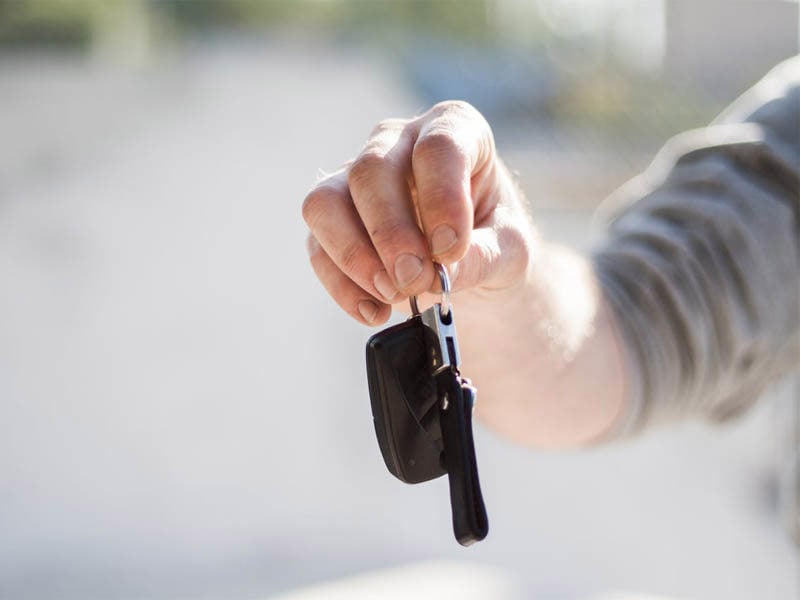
701, 266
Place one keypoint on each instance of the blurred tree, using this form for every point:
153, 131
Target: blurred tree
28, 23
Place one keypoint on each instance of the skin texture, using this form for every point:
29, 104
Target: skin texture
535, 334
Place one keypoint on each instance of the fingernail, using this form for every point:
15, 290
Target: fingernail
442, 240
368, 310
384, 285
407, 268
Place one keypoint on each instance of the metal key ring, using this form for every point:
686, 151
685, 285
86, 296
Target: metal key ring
444, 280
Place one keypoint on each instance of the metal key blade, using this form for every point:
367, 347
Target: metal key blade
444, 328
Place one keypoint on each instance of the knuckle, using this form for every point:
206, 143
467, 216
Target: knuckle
351, 257
517, 245
454, 107
438, 142
512, 238
389, 235
317, 202
458, 114
365, 168
465, 112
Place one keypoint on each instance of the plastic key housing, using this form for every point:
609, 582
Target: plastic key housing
422, 411
405, 400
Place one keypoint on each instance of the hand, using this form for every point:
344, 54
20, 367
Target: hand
422, 189
534, 336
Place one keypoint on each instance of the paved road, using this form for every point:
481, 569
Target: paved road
184, 412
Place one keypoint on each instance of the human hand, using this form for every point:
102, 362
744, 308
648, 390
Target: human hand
439, 171
433, 188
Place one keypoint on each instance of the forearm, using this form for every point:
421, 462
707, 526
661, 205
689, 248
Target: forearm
546, 358
702, 267
698, 310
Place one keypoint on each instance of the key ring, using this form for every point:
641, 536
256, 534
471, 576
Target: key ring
444, 279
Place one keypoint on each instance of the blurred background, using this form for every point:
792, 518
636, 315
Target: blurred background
184, 412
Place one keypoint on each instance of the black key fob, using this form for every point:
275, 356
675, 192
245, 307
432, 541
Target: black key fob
422, 409
404, 398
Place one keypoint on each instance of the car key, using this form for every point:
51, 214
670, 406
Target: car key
422, 409
404, 398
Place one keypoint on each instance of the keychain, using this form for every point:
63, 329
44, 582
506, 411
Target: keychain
422, 408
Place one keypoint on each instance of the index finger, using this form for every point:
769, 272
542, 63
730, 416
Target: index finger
379, 185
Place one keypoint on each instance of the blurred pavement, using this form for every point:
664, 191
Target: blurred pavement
184, 412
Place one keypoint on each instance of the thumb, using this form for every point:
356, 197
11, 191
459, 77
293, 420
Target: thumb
496, 259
